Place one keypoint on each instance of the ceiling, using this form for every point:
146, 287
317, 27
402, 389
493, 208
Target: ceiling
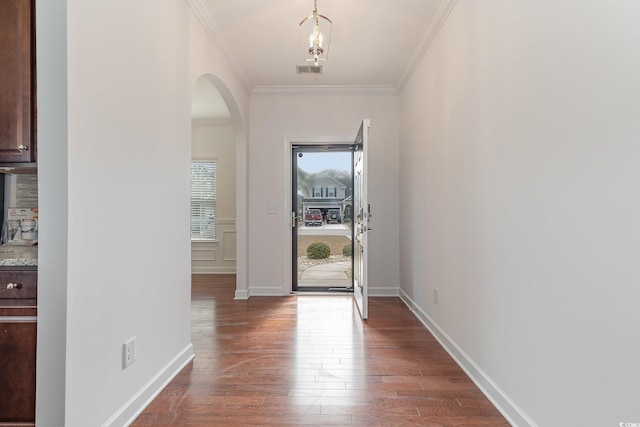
373, 42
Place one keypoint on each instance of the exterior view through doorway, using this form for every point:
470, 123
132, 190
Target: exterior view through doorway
322, 232
331, 217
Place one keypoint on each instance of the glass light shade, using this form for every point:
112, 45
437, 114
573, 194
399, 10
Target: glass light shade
315, 33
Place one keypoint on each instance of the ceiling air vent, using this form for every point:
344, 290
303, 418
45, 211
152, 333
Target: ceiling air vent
309, 69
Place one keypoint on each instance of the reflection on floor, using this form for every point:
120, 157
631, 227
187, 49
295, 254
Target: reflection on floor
310, 361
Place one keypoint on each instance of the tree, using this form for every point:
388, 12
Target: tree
342, 176
305, 183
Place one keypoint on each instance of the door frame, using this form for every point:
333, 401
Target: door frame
287, 244
297, 150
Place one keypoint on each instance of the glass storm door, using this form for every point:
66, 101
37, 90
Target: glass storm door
322, 235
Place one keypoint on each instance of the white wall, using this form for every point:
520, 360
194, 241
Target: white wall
114, 191
215, 139
316, 114
129, 117
519, 153
53, 207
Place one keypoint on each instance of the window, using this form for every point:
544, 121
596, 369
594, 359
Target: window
317, 192
203, 200
331, 192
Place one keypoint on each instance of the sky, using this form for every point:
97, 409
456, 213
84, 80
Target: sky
316, 162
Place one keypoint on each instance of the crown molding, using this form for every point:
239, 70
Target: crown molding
213, 29
429, 33
325, 90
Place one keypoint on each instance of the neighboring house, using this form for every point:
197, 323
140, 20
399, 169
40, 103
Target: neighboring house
326, 193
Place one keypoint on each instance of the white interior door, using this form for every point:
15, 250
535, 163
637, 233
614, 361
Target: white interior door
361, 218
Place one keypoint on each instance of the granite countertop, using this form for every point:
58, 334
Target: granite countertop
18, 255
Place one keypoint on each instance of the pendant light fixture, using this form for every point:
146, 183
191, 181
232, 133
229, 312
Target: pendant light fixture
315, 31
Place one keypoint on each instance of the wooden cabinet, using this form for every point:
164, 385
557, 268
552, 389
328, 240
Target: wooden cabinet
18, 149
18, 332
18, 283
17, 82
18, 372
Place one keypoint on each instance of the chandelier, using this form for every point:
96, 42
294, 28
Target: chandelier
315, 31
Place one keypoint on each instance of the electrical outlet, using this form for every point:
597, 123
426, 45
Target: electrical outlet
436, 297
128, 352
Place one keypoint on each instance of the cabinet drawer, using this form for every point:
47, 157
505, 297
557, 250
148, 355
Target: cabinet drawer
18, 284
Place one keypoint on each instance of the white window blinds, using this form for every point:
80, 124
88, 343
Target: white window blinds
203, 200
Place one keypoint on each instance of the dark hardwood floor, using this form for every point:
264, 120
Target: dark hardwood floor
310, 361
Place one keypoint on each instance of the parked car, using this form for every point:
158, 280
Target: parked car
313, 217
333, 215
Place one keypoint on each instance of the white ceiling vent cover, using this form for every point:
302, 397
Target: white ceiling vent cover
309, 69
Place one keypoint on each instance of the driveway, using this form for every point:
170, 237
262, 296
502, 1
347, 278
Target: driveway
324, 230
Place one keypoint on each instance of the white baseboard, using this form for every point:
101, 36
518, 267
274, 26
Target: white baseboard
214, 270
275, 291
242, 294
384, 292
130, 411
507, 407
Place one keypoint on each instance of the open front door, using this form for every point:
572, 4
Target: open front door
361, 217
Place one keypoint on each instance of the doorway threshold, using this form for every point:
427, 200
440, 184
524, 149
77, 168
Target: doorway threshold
322, 290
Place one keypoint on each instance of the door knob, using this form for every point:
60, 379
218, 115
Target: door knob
14, 286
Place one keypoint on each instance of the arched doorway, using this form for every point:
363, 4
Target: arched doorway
218, 136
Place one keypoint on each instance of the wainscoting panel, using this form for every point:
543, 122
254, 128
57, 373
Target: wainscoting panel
229, 246
219, 256
202, 253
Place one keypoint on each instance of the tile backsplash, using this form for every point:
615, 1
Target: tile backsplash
26, 191
20, 191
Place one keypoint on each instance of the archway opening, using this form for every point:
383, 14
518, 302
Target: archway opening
213, 182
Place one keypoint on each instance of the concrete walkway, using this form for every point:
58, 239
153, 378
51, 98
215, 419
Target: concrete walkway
329, 275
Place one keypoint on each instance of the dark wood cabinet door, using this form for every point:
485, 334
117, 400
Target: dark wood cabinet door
17, 81
17, 371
